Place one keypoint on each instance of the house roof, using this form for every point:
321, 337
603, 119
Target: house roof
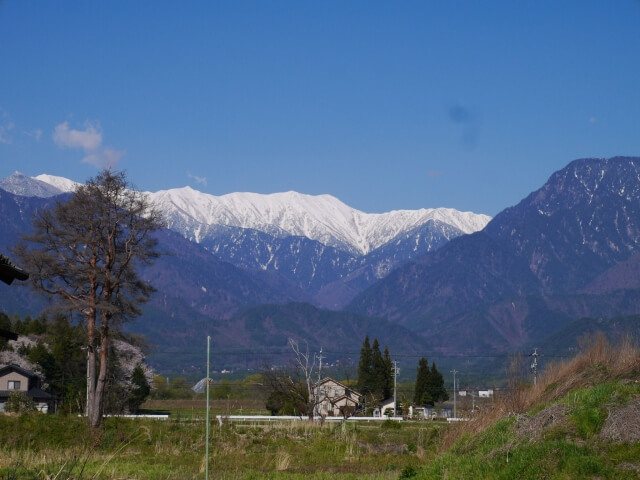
17, 368
9, 272
329, 379
343, 397
34, 393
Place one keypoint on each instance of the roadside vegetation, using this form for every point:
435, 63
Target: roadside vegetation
581, 420
61, 447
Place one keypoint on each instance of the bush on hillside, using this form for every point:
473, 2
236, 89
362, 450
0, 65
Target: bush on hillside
19, 403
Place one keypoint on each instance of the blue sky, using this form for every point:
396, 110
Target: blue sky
386, 105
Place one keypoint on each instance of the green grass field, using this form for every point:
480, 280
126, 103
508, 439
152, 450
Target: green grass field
582, 420
37, 446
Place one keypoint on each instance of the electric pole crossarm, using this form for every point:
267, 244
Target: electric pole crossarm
455, 411
395, 370
534, 365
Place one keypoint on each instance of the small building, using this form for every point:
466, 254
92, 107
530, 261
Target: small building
14, 378
387, 407
443, 411
485, 393
335, 399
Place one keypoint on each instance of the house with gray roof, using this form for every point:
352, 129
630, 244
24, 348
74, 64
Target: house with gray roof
14, 378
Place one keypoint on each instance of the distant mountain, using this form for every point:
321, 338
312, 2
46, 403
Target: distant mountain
190, 281
199, 294
324, 247
20, 184
322, 218
258, 336
557, 256
317, 242
242, 265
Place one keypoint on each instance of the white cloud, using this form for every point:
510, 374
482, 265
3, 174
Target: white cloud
9, 130
90, 140
104, 158
35, 134
200, 180
6, 125
5, 136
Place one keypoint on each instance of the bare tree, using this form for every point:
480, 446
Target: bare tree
296, 387
85, 252
306, 365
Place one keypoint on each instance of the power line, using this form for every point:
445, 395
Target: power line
284, 352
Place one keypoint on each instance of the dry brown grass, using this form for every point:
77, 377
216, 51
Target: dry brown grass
623, 424
532, 427
597, 361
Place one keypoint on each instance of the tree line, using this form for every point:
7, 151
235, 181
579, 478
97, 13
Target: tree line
84, 253
291, 391
56, 350
375, 377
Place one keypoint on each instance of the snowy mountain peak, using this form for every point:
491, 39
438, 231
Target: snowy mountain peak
20, 184
323, 218
61, 183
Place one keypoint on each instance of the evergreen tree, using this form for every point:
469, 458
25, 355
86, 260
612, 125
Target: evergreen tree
61, 360
5, 324
387, 391
375, 371
378, 379
435, 387
421, 394
70, 381
365, 370
140, 389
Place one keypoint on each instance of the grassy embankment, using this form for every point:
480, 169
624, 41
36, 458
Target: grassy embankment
582, 420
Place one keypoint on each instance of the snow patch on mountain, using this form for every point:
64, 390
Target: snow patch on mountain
323, 218
20, 184
61, 183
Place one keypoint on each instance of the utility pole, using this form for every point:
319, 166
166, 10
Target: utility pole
534, 365
455, 411
395, 370
316, 393
208, 407
320, 357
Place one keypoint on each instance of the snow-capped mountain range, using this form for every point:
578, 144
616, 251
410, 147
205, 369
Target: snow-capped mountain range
323, 246
322, 218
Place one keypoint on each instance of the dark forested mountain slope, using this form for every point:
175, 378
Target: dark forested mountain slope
569, 244
202, 282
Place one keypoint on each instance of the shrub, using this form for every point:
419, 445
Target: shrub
408, 472
18, 402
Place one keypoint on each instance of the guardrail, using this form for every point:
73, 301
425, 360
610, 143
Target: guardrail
156, 417
273, 418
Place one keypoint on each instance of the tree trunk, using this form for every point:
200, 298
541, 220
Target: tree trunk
97, 405
91, 384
